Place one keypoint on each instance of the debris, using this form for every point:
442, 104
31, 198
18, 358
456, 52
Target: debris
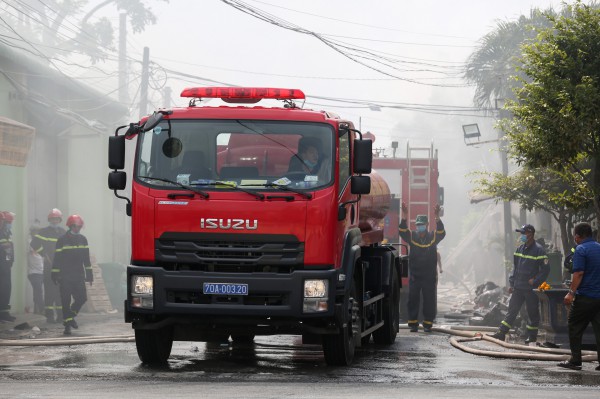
22, 326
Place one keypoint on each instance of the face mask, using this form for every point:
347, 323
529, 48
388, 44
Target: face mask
55, 224
310, 164
523, 238
7, 227
421, 228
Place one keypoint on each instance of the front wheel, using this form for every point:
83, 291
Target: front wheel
386, 335
339, 348
245, 339
154, 346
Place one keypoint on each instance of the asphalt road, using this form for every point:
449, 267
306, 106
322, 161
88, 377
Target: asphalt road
417, 365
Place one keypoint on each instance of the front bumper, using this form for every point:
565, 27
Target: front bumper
272, 297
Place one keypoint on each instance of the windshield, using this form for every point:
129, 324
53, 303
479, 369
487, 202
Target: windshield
263, 155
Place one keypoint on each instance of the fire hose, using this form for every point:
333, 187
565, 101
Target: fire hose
68, 341
525, 352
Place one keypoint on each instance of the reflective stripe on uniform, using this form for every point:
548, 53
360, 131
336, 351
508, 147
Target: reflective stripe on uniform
413, 242
520, 255
70, 247
46, 238
532, 328
506, 324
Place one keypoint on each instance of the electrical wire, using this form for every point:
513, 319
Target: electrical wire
352, 53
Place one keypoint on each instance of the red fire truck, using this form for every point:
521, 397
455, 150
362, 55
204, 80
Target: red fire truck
414, 180
228, 240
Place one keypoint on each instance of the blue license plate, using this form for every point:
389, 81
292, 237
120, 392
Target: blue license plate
225, 289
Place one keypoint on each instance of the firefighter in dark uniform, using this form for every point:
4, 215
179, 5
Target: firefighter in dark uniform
422, 264
71, 270
44, 243
531, 269
6, 261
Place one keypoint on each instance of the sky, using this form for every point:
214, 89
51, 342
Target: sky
216, 41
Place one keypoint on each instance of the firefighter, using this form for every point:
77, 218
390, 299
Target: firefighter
422, 263
530, 269
44, 243
71, 269
6, 261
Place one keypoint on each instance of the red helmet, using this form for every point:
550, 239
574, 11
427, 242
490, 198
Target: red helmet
8, 216
55, 213
75, 220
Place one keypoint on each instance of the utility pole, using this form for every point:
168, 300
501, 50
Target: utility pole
123, 89
508, 241
166, 97
144, 84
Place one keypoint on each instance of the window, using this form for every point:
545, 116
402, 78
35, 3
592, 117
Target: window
242, 152
344, 160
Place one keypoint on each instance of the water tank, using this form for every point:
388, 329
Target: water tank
374, 206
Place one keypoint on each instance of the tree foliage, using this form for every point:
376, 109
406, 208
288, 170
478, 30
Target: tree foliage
494, 61
563, 195
556, 114
62, 27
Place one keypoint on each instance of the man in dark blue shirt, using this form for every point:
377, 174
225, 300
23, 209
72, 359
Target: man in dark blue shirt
584, 294
531, 269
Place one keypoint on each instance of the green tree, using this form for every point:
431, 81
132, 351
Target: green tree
56, 26
556, 114
565, 196
492, 64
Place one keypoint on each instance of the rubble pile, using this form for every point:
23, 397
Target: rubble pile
487, 308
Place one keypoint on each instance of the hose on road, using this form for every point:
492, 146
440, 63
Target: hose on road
475, 333
68, 341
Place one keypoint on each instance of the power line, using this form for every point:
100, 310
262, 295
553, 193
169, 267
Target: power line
354, 55
358, 23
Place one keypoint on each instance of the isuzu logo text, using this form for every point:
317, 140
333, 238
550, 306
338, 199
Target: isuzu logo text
227, 224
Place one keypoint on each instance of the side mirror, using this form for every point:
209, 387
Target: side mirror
117, 180
152, 121
116, 152
363, 156
360, 184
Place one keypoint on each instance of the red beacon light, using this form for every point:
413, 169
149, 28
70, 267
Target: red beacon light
243, 94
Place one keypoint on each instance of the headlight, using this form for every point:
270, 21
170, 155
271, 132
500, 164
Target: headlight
142, 288
142, 285
315, 288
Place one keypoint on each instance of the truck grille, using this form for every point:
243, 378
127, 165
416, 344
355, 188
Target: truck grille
229, 253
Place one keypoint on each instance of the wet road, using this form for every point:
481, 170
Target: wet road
426, 365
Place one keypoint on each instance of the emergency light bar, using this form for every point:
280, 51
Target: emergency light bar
243, 93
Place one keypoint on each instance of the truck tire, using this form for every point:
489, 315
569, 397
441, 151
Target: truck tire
386, 335
154, 346
246, 339
339, 348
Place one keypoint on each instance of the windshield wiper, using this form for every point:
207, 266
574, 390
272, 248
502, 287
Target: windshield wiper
234, 186
286, 188
202, 193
